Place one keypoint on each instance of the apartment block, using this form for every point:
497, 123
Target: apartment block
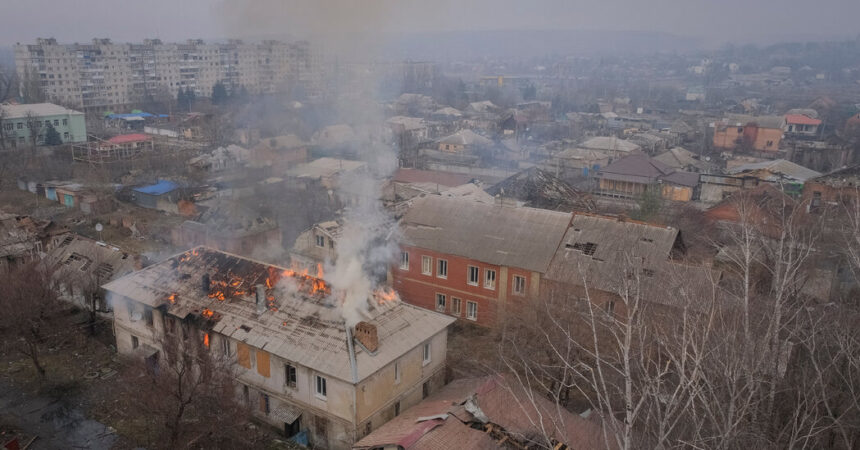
104, 75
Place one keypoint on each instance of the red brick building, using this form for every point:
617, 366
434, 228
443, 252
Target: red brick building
471, 259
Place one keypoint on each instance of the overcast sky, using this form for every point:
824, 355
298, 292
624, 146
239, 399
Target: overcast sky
715, 21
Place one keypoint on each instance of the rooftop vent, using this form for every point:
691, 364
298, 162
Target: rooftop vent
366, 335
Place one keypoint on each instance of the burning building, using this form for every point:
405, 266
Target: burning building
300, 366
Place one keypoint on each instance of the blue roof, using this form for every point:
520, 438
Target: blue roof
126, 116
162, 187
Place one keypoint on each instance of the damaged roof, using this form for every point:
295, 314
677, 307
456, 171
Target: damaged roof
444, 421
778, 169
79, 255
466, 137
495, 234
299, 323
540, 189
325, 167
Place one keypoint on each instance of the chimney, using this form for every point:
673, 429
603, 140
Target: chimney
261, 298
366, 335
205, 283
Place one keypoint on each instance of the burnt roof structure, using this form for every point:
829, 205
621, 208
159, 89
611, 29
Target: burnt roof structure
300, 321
539, 189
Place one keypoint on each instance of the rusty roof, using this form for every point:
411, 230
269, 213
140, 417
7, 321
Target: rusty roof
300, 324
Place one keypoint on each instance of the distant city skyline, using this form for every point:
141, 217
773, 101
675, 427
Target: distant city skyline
712, 23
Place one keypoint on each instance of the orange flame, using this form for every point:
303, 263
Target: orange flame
207, 313
385, 295
206, 339
172, 298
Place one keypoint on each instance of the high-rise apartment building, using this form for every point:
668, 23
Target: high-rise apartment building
104, 75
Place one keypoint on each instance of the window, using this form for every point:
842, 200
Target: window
264, 403
396, 409
609, 306
519, 285
321, 387
816, 199
65, 121
320, 241
147, 314
135, 342
66, 135
20, 125
56, 123
440, 302
489, 279
396, 372
426, 265
455, 306
289, 376
225, 346
404, 260
472, 274
427, 355
442, 269
471, 310
770, 143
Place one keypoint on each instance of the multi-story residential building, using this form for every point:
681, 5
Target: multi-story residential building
470, 259
104, 75
737, 131
22, 125
299, 364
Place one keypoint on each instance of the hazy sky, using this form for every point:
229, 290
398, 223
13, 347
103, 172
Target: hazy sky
715, 21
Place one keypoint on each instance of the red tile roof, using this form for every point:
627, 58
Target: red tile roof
800, 119
129, 138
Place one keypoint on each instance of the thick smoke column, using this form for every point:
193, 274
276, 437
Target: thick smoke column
369, 240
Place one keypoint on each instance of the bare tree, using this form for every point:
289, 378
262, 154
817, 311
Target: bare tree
8, 84
190, 393
28, 299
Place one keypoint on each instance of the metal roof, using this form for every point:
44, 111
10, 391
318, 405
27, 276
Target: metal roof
503, 235
299, 326
162, 187
39, 109
779, 168
609, 143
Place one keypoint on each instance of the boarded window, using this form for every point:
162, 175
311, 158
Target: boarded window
243, 355
263, 363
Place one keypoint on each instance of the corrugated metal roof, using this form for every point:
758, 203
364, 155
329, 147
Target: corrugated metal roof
162, 187
503, 235
39, 109
298, 326
778, 167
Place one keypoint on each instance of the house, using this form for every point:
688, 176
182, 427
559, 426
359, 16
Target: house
221, 159
470, 259
788, 175
680, 158
231, 227
317, 245
24, 239
82, 264
27, 124
408, 131
463, 141
743, 132
764, 207
537, 188
485, 413
836, 189
800, 125
633, 175
162, 196
301, 367
324, 174
575, 162
280, 152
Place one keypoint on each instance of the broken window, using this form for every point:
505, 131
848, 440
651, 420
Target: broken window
519, 285
440, 302
322, 390
396, 409
489, 279
290, 377
320, 240
134, 342
225, 346
472, 310
442, 269
147, 315
426, 265
404, 260
455, 306
473, 275
104, 271
587, 248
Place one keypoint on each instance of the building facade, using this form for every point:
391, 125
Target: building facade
24, 125
299, 366
470, 260
104, 75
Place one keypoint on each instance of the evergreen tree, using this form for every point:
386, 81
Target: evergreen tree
219, 93
52, 136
